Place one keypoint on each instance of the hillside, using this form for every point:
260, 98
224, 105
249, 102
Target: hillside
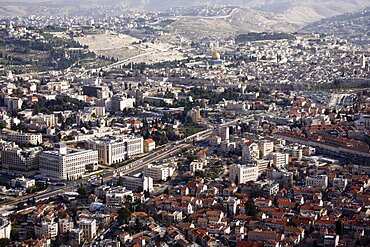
252, 15
353, 26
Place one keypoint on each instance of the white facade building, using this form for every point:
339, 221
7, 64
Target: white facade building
29, 138
25, 162
198, 165
5, 228
110, 150
243, 173
66, 164
158, 172
317, 181
44, 120
22, 182
280, 159
141, 183
340, 183
135, 145
88, 226
266, 147
250, 152
117, 198
46, 229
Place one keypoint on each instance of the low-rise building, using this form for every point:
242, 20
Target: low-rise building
23, 138
46, 229
138, 183
149, 145
158, 172
317, 181
21, 161
22, 182
197, 165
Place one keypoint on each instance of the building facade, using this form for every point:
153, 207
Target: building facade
88, 226
66, 164
158, 172
243, 173
110, 150
25, 162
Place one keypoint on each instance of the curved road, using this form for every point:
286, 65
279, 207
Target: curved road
207, 17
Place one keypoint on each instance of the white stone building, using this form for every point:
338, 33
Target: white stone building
243, 173
158, 172
67, 164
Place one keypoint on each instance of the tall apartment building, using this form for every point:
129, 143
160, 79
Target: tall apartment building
280, 159
243, 173
223, 132
13, 103
265, 147
195, 115
25, 162
88, 226
158, 172
135, 145
67, 164
5, 228
250, 151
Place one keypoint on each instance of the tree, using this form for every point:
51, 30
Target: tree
3, 124
4, 242
166, 191
121, 181
14, 234
236, 179
250, 208
146, 194
82, 191
256, 193
339, 227
123, 215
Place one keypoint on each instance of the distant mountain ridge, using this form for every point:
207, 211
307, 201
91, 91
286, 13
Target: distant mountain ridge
254, 15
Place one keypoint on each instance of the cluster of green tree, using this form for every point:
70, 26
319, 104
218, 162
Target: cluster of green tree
345, 84
40, 55
242, 38
213, 97
251, 209
60, 103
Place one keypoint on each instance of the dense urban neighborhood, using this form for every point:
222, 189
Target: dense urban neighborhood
119, 130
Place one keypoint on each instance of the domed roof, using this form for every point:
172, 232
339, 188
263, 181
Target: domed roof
216, 56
